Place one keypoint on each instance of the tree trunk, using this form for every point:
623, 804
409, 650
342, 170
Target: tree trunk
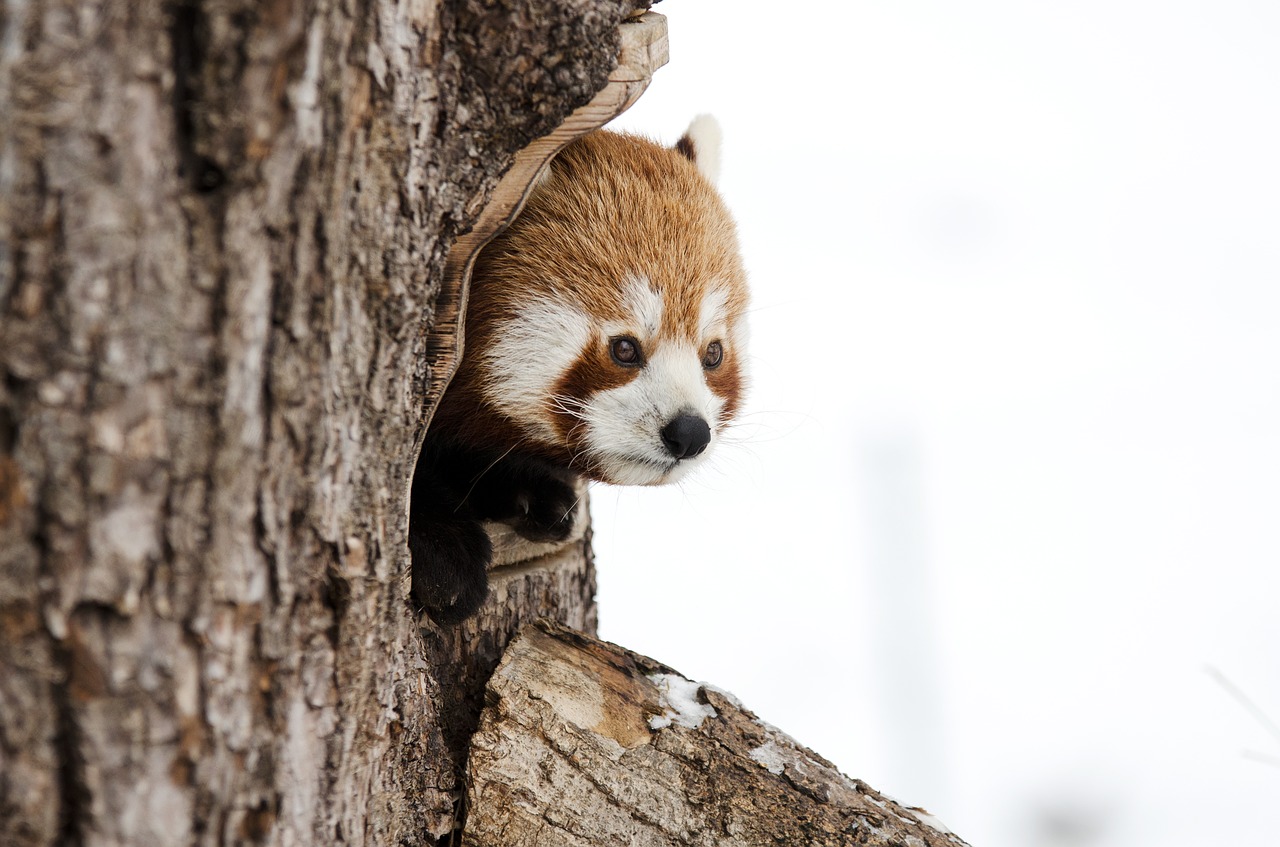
223, 233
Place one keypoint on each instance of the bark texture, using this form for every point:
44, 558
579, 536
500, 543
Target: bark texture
223, 227
583, 743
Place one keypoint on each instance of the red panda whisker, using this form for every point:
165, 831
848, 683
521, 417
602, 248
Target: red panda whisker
572, 508
479, 476
565, 403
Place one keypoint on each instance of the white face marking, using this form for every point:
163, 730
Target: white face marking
713, 314
624, 424
644, 306
713, 321
530, 356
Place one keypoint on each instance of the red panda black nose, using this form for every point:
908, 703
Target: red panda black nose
686, 436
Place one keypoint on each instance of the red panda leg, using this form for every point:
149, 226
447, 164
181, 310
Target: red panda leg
450, 568
535, 498
454, 490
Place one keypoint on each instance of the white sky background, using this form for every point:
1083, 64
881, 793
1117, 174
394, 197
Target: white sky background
1009, 478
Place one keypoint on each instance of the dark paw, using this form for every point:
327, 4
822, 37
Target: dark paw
546, 510
450, 570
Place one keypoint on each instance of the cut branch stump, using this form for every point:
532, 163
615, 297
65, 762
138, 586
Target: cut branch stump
584, 743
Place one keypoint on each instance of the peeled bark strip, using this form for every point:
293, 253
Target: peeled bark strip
223, 232
583, 743
642, 50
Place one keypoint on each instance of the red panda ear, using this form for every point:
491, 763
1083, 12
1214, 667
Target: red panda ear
701, 145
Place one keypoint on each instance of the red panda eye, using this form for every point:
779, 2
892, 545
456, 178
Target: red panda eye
713, 356
625, 351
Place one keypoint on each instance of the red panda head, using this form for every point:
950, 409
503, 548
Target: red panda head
607, 322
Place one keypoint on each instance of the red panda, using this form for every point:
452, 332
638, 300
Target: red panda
605, 339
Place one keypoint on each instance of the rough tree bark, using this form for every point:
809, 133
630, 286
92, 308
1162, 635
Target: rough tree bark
223, 226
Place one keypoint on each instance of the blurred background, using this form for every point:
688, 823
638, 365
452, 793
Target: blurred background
1002, 513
